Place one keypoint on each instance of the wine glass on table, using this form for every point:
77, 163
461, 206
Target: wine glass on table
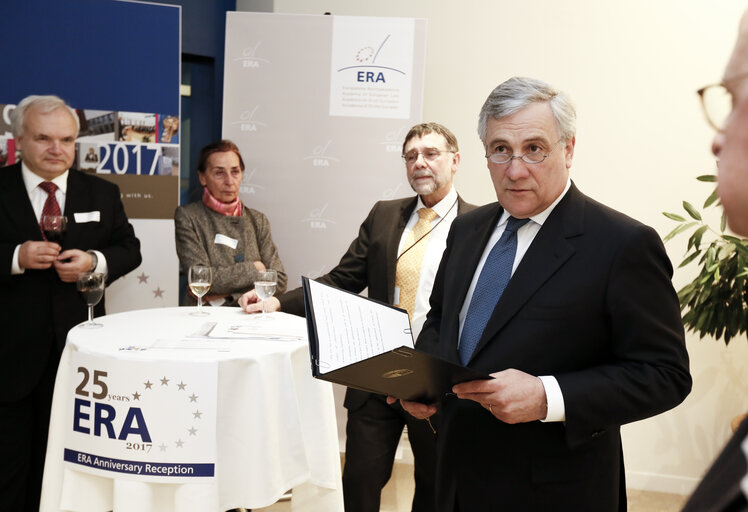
91, 287
200, 277
265, 286
53, 227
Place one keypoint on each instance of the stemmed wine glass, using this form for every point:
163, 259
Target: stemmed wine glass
91, 287
200, 277
53, 227
265, 286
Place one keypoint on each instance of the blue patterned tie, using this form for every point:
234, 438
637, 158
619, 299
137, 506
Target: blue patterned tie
491, 284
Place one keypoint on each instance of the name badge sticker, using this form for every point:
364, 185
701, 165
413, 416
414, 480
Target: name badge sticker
83, 217
225, 240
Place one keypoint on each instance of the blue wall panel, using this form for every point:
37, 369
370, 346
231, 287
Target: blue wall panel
94, 53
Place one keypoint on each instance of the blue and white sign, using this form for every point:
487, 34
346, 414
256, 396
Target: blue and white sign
372, 67
150, 421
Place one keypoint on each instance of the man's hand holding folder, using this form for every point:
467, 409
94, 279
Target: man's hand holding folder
511, 396
417, 410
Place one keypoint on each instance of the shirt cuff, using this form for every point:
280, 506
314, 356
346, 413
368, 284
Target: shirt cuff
554, 398
15, 266
101, 265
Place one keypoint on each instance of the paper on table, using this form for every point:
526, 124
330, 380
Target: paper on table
255, 329
350, 329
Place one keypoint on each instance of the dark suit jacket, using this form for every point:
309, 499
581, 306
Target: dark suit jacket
371, 261
38, 308
591, 303
720, 490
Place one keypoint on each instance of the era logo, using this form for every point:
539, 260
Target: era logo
370, 76
104, 419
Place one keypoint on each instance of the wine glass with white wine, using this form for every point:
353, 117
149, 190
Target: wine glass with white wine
200, 277
91, 287
265, 286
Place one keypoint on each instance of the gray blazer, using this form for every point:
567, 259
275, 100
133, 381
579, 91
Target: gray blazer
196, 230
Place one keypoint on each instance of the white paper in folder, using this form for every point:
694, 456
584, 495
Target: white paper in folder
350, 329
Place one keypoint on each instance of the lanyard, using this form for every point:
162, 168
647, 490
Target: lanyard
427, 232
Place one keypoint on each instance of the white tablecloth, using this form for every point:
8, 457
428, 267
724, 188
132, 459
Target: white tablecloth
276, 426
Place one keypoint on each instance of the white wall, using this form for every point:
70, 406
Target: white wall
632, 69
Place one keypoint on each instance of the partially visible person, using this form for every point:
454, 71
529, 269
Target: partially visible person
220, 231
91, 156
725, 486
395, 256
38, 279
567, 304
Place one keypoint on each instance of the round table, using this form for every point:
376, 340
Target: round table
275, 425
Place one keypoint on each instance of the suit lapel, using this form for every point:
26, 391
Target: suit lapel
393, 242
548, 252
469, 252
20, 211
77, 199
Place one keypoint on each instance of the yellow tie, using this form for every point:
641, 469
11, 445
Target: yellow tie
409, 265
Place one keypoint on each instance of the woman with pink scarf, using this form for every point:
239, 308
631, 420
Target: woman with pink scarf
223, 233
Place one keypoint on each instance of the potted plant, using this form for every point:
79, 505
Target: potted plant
715, 302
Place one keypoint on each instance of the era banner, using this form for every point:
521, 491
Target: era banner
143, 420
319, 106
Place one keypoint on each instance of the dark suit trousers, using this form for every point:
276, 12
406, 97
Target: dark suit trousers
24, 425
373, 432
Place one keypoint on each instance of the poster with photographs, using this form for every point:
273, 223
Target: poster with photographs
138, 151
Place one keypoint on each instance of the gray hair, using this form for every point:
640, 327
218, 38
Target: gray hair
517, 93
42, 104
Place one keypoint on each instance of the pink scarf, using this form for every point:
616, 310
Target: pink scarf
232, 209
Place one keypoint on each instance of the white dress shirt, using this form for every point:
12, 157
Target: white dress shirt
38, 197
525, 235
446, 211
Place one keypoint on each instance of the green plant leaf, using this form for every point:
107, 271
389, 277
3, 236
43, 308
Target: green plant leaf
707, 177
693, 212
723, 222
674, 216
742, 249
711, 199
689, 259
698, 234
678, 230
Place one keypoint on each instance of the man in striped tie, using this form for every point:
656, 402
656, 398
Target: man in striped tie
567, 304
38, 279
396, 255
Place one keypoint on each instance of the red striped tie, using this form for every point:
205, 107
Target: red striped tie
51, 206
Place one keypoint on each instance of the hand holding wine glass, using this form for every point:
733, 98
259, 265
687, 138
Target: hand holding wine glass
200, 277
91, 287
53, 227
265, 286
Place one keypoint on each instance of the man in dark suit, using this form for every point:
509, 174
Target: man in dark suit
725, 486
38, 279
586, 336
381, 258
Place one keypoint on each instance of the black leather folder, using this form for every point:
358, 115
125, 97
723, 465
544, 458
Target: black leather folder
401, 372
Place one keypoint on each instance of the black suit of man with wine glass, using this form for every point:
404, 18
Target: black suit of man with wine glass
38, 279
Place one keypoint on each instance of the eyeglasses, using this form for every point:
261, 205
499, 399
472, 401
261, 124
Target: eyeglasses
533, 157
429, 155
717, 102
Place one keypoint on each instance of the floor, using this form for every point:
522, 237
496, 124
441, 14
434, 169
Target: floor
398, 493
